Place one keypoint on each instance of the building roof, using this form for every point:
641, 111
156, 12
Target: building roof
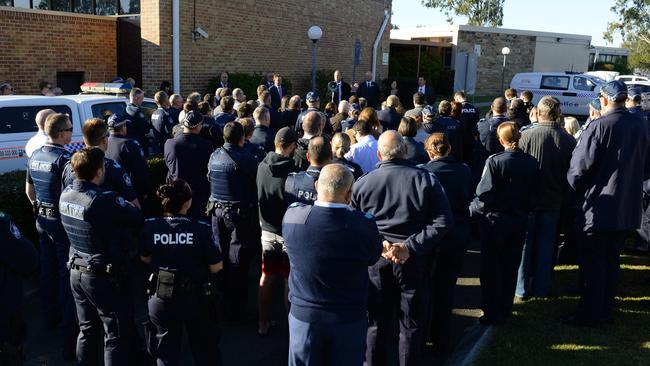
452, 30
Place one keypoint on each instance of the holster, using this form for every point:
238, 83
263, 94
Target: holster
165, 284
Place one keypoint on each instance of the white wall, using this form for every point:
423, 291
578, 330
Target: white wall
561, 54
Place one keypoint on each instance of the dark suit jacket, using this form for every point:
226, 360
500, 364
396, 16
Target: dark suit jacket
276, 98
346, 91
389, 118
370, 93
429, 95
228, 85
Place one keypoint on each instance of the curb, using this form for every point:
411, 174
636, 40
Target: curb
470, 346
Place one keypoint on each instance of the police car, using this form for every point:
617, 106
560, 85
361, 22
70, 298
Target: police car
573, 90
18, 112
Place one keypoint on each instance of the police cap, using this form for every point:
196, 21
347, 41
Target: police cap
355, 107
428, 111
116, 120
192, 119
633, 92
595, 104
286, 135
614, 90
312, 96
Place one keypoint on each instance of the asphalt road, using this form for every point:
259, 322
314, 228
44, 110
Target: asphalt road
241, 346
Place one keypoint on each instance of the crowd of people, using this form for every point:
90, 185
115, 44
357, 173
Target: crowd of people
364, 214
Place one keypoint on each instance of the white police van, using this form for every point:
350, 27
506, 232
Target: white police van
17, 120
574, 91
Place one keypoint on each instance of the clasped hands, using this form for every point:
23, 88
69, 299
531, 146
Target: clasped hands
395, 252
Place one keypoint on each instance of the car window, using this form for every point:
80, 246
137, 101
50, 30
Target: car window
625, 79
105, 110
582, 83
23, 118
150, 105
555, 82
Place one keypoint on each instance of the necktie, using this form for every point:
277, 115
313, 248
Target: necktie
280, 91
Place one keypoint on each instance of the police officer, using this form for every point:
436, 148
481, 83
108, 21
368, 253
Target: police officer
469, 117
254, 149
95, 134
340, 147
329, 244
300, 187
161, 120
486, 140
128, 153
43, 188
633, 103
445, 124
505, 197
138, 126
413, 214
455, 178
19, 259
313, 105
94, 220
312, 125
185, 260
262, 134
617, 142
232, 175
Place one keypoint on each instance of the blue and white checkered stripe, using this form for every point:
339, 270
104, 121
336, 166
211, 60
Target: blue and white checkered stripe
74, 146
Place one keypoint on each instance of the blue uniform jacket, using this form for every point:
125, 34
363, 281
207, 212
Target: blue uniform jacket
456, 179
181, 244
301, 186
128, 153
408, 203
329, 249
607, 170
115, 179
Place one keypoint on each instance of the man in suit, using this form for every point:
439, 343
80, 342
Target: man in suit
389, 117
268, 81
429, 93
369, 90
343, 91
223, 83
277, 91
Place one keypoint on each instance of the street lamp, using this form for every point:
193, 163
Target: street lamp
314, 33
505, 51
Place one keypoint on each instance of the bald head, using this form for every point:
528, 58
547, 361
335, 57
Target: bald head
41, 116
499, 106
391, 146
319, 152
334, 184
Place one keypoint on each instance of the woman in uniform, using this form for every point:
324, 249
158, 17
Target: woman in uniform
505, 196
456, 179
184, 260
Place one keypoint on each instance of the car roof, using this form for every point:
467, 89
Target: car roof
77, 98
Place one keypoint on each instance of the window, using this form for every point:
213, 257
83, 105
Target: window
22, 119
582, 83
555, 82
5, 2
105, 7
61, 5
104, 110
129, 6
625, 79
22, 3
83, 6
98, 7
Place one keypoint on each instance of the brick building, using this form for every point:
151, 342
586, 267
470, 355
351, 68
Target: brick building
244, 36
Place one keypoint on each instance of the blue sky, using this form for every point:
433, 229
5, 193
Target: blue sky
588, 17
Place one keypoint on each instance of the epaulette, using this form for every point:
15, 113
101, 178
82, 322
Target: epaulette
150, 219
204, 223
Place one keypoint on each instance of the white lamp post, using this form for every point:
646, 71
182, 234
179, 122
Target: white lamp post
505, 51
314, 33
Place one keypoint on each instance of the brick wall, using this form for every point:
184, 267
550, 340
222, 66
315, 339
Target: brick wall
258, 36
37, 44
490, 63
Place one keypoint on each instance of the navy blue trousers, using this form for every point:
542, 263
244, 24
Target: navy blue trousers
322, 344
54, 278
102, 308
402, 289
169, 316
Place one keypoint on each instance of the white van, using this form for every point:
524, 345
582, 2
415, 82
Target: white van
17, 120
574, 91
633, 78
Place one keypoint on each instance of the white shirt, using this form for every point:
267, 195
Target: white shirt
421, 90
36, 142
364, 153
330, 204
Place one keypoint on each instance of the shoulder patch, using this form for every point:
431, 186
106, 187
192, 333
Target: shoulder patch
150, 219
368, 215
204, 223
14, 230
120, 201
127, 179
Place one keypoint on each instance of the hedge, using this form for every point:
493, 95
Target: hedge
14, 201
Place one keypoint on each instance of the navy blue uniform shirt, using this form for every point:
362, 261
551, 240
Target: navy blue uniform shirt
45, 172
128, 153
162, 122
607, 170
187, 156
138, 126
263, 136
455, 178
95, 221
115, 179
301, 186
232, 176
408, 203
487, 130
415, 151
329, 249
508, 187
354, 168
182, 244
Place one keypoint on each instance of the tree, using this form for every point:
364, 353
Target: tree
478, 12
633, 25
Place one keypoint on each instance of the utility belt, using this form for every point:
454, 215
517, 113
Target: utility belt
168, 284
227, 207
78, 264
46, 210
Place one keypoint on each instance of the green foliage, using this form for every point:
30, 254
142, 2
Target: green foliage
247, 82
621, 67
639, 54
633, 24
478, 12
401, 65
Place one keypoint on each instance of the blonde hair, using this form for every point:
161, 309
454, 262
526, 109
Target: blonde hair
508, 133
571, 125
340, 145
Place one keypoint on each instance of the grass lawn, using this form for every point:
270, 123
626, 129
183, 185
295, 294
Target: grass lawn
535, 336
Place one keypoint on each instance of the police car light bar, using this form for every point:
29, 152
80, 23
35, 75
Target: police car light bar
106, 88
